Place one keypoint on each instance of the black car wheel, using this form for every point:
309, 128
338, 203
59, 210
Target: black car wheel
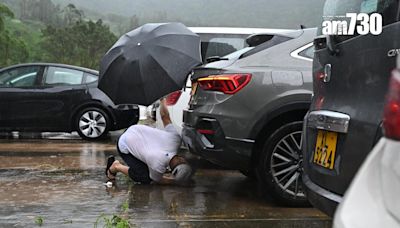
280, 165
92, 123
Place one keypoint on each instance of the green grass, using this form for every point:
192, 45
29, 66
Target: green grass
125, 206
114, 221
39, 220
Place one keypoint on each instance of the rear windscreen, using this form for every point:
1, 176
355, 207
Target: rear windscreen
221, 44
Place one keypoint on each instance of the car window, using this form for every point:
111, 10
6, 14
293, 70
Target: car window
89, 78
20, 77
63, 76
231, 42
214, 48
221, 44
308, 53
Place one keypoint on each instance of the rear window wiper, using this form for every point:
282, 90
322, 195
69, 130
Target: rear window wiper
215, 58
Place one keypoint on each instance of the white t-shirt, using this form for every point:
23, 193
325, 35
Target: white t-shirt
152, 146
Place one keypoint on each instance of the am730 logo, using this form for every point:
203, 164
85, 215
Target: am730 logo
353, 23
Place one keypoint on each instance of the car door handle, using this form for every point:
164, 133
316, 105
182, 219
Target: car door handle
327, 73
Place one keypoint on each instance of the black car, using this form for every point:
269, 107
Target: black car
351, 75
59, 98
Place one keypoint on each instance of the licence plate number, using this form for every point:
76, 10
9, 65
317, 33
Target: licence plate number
325, 149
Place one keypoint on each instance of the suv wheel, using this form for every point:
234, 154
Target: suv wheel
280, 165
92, 123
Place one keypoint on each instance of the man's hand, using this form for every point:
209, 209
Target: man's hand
164, 113
166, 180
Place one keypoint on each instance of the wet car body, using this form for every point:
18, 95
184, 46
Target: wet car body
380, 170
346, 111
55, 106
231, 129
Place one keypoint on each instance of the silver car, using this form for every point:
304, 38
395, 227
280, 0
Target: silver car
247, 113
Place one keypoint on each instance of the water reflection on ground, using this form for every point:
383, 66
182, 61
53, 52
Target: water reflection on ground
62, 181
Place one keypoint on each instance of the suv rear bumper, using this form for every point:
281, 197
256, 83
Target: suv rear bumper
321, 198
224, 151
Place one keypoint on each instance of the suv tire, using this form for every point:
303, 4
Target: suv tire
280, 165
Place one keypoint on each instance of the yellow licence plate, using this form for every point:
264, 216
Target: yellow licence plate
325, 149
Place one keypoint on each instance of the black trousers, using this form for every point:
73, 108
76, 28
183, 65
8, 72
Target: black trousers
138, 170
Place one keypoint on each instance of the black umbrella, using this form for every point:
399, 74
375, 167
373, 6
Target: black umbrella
149, 62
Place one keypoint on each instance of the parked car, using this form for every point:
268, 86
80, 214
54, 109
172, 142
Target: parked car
179, 100
246, 114
56, 97
351, 75
216, 43
377, 183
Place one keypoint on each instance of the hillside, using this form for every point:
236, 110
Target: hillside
240, 13
60, 30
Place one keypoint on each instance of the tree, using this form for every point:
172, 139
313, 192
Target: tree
5, 12
83, 43
71, 14
12, 49
57, 45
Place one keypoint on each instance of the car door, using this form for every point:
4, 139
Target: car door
62, 89
18, 91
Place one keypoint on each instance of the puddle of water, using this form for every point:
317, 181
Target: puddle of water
81, 197
63, 182
56, 196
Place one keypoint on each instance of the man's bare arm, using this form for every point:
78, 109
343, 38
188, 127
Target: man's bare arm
164, 113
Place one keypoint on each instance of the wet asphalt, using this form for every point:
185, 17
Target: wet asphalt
57, 180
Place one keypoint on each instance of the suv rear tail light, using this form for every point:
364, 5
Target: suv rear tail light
227, 83
391, 119
172, 98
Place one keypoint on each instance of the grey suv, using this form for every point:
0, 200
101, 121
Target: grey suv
247, 113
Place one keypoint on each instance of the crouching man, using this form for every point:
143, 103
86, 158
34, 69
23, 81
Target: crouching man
148, 152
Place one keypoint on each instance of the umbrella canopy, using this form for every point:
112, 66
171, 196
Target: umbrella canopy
149, 63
